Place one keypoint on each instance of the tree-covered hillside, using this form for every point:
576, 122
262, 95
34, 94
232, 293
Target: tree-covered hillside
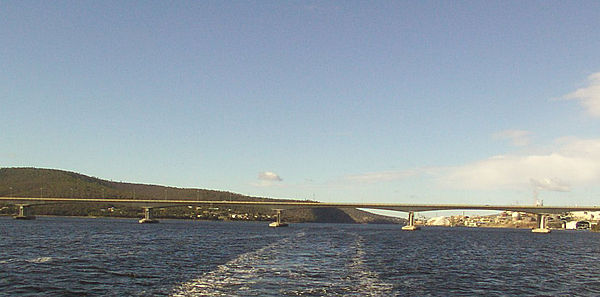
37, 182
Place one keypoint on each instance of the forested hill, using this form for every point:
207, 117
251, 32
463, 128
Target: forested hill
38, 182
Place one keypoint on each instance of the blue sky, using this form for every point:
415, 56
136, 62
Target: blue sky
391, 101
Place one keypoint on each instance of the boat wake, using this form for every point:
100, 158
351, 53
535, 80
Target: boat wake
298, 265
234, 277
369, 282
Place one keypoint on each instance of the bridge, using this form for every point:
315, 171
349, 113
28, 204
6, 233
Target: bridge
542, 212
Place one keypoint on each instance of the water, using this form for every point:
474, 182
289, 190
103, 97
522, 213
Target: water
112, 257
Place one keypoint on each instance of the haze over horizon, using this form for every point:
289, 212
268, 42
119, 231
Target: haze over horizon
494, 102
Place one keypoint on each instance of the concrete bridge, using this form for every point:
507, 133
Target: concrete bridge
542, 212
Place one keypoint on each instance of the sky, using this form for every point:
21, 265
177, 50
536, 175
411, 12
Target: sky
483, 102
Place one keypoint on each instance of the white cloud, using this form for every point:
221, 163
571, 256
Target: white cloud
574, 162
589, 96
550, 184
516, 137
268, 179
269, 176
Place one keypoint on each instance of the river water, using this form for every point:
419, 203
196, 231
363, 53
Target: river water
118, 257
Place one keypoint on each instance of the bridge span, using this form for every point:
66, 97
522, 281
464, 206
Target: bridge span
25, 203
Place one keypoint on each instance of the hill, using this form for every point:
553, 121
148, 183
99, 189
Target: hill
38, 182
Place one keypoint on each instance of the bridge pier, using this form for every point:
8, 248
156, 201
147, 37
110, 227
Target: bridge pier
542, 227
148, 216
24, 213
278, 222
410, 226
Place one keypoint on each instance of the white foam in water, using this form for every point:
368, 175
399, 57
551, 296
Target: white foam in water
369, 283
292, 266
40, 260
231, 278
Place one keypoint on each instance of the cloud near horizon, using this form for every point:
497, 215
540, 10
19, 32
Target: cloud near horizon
574, 162
589, 96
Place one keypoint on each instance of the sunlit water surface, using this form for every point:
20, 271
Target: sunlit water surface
112, 257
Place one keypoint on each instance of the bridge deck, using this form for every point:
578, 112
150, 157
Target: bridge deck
296, 204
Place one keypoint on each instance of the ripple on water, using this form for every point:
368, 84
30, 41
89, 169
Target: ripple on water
68, 257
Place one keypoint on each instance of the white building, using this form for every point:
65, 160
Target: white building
577, 225
586, 215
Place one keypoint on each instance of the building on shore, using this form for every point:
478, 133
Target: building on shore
585, 215
577, 225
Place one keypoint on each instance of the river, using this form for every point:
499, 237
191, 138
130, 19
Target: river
119, 257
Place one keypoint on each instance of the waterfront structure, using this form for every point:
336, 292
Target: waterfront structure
542, 212
148, 217
577, 225
24, 213
585, 215
278, 222
410, 226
